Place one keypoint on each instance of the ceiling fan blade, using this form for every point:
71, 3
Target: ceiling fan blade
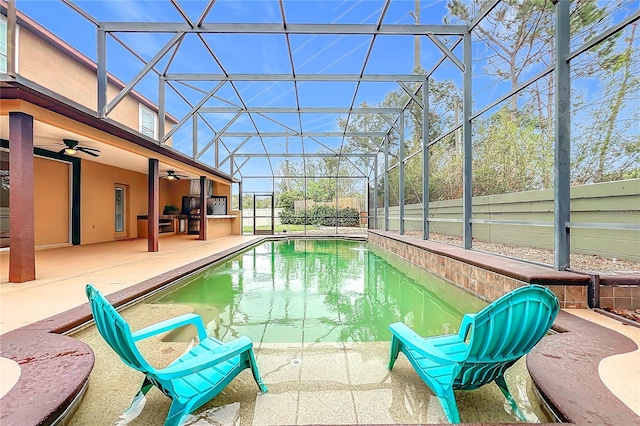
81, 149
61, 151
85, 148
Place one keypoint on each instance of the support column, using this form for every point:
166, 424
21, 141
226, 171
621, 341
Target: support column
562, 187
22, 254
101, 44
401, 176
161, 108
386, 183
375, 192
425, 159
203, 208
153, 206
467, 182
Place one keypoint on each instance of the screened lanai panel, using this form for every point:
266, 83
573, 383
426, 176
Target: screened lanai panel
328, 94
288, 166
227, 94
290, 206
491, 71
320, 144
351, 205
256, 166
233, 11
588, 19
431, 12
286, 146
329, 53
128, 11
352, 167
605, 110
445, 105
604, 145
376, 94
389, 55
250, 53
267, 93
366, 12
182, 96
512, 207
413, 195
445, 192
319, 122
513, 144
182, 139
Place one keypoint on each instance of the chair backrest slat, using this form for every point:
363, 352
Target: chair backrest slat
115, 330
506, 330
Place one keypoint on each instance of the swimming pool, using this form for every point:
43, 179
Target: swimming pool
317, 312
312, 291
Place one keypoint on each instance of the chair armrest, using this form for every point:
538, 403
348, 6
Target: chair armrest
416, 342
206, 360
465, 325
170, 324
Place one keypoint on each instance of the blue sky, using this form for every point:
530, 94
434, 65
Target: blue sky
264, 54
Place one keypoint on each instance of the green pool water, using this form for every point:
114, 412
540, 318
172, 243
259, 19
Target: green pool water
313, 291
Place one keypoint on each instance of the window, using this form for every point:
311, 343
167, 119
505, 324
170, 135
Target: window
119, 209
148, 122
3, 44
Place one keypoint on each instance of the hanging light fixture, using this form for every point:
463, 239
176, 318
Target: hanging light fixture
70, 151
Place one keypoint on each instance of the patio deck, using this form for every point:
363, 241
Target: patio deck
111, 267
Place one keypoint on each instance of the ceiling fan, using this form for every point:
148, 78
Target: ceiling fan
171, 175
72, 148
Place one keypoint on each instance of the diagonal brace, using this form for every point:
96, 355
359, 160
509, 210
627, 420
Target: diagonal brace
217, 136
440, 45
194, 109
410, 93
144, 71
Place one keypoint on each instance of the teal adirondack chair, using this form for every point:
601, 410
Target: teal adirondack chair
487, 344
192, 379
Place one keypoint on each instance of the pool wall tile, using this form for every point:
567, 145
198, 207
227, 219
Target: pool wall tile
619, 296
490, 276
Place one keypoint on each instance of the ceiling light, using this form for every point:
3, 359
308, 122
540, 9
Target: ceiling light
171, 177
70, 151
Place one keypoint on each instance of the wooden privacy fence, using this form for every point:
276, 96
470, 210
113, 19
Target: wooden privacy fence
602, 203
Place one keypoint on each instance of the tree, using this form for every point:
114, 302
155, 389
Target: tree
606, 131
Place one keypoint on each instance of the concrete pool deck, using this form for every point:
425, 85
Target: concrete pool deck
588, 378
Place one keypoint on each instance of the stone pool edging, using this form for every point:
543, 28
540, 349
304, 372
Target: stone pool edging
564, 368
56, 368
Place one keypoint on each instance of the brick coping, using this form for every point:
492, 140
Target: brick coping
55, 368
518, 269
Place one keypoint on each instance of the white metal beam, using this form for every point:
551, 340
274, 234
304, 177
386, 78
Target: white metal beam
268, 28
297, 77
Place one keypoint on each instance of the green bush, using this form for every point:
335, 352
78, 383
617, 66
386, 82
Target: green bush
322, 216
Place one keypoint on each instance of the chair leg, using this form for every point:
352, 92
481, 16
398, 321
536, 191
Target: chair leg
502, 384
393, 351
177, 413
256, 373
448, 401
137, 404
